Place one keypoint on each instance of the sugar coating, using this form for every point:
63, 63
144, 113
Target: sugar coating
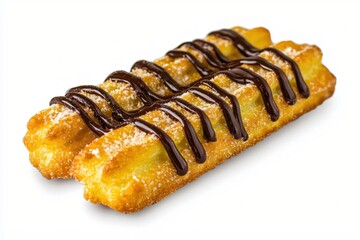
156, 86
237, 89
291, 52
50, 125
111, 148
96, 152
56, 116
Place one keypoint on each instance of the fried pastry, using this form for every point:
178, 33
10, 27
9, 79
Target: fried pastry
57, 134
156, 150
139, 137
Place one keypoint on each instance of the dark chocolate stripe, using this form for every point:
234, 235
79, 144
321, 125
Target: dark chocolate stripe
73, 105
247, 49
160, 73
202, 70
216, 50
289, 94
234, 102
194, 142
285, 86
208, 130
103, 94
140, 88
241, 44
105, 122
137, 83
300, 82
210, 58
175, 156
232, 123
263, 87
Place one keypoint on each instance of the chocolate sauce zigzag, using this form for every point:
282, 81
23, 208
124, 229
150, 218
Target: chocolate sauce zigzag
232, 114
152, 101
247, 49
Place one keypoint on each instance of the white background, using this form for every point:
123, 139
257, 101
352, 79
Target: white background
302, 182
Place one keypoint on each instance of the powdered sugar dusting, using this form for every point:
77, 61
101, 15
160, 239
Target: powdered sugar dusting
56, 115
112, 147
154, 86
289, 51
236, 88
96, 152
136, 138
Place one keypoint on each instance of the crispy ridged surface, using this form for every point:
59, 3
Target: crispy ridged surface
56, 135
128, 169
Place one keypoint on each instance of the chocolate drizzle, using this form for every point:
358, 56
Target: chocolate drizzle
208, 130
246, 49
160, 73
202, 70
202, 88
175, 156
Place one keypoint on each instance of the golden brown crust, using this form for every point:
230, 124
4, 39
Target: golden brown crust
128, 170
56, 135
